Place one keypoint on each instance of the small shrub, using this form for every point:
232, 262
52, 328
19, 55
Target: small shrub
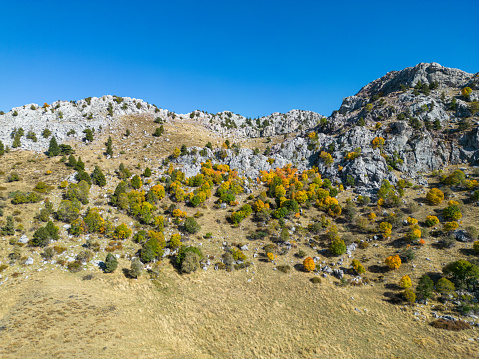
75, 266
405, 282
445, 286
393, 262
136, 268
284, 268
450, 324
431, 221
358, 267
316, 280
434, 196
308, 264
337, 247
191, 262
191, 226
409, 295
84, 256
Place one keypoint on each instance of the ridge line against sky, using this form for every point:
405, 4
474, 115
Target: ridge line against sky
248, 57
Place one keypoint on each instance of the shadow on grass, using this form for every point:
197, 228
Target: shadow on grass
392, 286
393, 297
378, 269
467, 251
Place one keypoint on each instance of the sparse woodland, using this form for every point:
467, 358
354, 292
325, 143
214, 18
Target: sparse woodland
353, 214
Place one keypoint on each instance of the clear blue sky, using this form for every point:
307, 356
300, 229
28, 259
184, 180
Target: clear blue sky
249, 57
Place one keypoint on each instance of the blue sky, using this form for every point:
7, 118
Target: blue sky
249, 57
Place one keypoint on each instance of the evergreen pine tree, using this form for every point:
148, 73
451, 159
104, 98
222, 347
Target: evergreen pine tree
147, 172
98, 177
121, 188
88, 134
53, 149
111, 263
72, 162
2, 149
109, 149
80, 166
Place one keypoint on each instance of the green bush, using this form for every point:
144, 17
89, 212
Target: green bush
109, 147
46, 133
68, 210
191, 226
425, 287
191, 262
43, 235
445, 286
463, 272
98, 177
338, 247
74, 266
9, 228
88, 134
83, 176
159, 131
182, 253
136, 268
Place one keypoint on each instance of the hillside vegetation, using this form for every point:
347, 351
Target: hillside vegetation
131, 230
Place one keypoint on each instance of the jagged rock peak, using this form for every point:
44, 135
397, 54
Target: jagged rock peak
410, 76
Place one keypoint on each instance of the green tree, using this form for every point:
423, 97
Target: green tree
68, 210
9, 228
191, 226
337, 247
2, 149
180, 257
464, 272
88, 134
120, 188
147, 172
190, 263
136, 268
111, 263
425, 287
72, 162
158, 131
109, 148
80, 166
98, 177
445, 286
136, 182
83, 176
53, 148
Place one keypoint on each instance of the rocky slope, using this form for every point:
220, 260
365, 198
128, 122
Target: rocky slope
419, 113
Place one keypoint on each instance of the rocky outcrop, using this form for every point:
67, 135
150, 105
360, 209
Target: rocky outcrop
425, 73
67, 120
235, 126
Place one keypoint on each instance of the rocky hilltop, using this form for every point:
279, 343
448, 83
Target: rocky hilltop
407, 122
411, 121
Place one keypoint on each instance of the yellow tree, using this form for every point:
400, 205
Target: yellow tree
393, 262
308, 264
